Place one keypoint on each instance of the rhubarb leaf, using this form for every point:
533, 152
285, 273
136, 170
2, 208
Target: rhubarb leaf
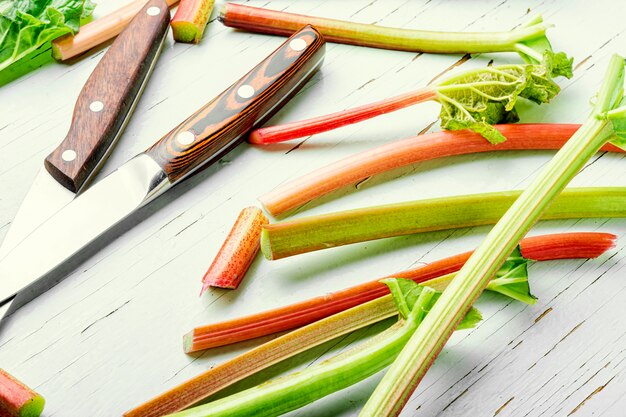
479, 98
25, 25
512, 279
406, 294
558, 63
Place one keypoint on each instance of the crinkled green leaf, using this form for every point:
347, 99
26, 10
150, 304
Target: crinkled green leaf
512, 279
25, 25
558, 63
479, 98
406, 293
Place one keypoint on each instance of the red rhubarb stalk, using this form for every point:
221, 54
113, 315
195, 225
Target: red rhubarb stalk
302, 128
190, 20
355, 168
238, 251
559, 246
17, 400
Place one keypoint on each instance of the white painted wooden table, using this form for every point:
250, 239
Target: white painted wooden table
109, 335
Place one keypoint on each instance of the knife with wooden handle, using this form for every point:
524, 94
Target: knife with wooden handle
102, 109
200, 140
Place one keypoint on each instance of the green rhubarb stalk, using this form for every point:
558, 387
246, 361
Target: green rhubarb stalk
528, 40
298, 389
306, 234
409, 368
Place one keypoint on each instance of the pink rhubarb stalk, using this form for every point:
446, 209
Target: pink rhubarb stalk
355, 168
302, 128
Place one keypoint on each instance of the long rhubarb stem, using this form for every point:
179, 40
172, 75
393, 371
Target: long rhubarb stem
355, 168
288, 238
301, 128
540, 248
282, 23
409, 368
99, 31
17, 400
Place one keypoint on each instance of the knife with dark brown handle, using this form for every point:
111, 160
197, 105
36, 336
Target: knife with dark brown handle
221, 124
107, 100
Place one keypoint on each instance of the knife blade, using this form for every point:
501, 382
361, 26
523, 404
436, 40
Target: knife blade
101, 112
201, 139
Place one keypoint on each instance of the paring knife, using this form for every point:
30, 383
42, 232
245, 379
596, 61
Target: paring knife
101, 112
203, 138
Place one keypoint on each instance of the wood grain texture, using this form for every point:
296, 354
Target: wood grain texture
106, 101
221, 124
110, 333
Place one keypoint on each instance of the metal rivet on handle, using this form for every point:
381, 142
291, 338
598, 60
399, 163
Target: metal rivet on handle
297, 44
245, 91
185, 138
68, 155
153, 11
96, 106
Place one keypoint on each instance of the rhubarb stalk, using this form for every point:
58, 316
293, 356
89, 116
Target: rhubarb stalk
474, 99
238, 251
539, 248
409, 368
355, 168
306, 234
525, 40
17, 400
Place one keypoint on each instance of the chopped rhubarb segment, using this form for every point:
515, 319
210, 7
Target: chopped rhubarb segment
238, 251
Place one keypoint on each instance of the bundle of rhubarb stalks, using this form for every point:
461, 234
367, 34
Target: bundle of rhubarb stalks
428, 303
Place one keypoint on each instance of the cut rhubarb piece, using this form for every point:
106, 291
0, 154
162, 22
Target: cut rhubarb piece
238, 251
17, 400
190, 20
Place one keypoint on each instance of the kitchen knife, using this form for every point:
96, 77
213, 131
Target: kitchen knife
102, 109
200, 140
